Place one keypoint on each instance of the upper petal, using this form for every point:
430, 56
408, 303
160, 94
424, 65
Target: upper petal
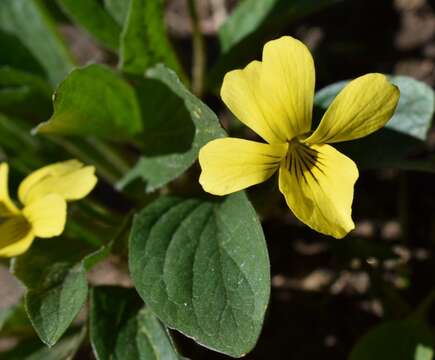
318, 183
16, 236
230, 164
287, 85
241, 93
47, 215
69, 179
7, 207
362, 107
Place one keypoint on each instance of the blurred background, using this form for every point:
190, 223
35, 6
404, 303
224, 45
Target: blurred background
326, 293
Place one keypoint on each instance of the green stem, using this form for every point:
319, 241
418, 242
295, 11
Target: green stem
111, 155
82, 233
199, 54
74, 150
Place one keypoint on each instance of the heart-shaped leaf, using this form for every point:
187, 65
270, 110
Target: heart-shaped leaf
202, 267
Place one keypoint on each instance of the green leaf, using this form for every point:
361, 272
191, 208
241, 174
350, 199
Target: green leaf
244, 20
29, 21
249, 26
24, 94
409, 339
47, 262
57, 285
399, 144
94, 100
118, 9
202, 267
414, 112
119, 330
173, 133
94, 18
52, 310
144, 42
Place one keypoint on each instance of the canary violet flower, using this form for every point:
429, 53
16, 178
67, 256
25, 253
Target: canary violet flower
44, 194
274, 98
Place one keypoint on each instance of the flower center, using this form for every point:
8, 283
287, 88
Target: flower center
301, 160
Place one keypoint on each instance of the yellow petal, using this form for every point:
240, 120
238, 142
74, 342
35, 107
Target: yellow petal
287, 85
16, 236
318, 183
242, 94
230, 164
70, 179
7, 207
362, 107
47, 215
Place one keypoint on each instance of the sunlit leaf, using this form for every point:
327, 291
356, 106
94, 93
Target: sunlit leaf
94, 100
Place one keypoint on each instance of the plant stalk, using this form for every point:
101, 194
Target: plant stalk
198, 51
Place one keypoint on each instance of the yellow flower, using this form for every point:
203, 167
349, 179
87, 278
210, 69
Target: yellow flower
274, 98
43, 194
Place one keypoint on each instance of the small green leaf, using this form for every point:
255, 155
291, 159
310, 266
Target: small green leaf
94, 100
29, 21
202, 267
111, 310
94, 18
119, 330
52, 310
244, 20
173, 133
154, 342
118, 9
409, 339
144, 42
56, 283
